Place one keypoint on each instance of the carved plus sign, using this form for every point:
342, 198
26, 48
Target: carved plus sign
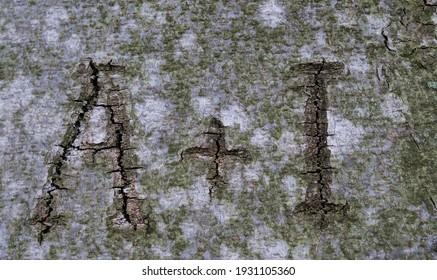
215, 150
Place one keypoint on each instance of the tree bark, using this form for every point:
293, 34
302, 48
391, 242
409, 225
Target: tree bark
218, 130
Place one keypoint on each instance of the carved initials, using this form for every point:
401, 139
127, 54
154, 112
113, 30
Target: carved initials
318, 163
116, 146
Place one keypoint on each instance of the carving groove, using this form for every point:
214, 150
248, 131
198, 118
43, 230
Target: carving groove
116, 145
215, 150
318, 164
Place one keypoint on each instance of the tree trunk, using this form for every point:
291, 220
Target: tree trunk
218, 130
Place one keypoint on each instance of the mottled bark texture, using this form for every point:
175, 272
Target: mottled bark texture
218, 129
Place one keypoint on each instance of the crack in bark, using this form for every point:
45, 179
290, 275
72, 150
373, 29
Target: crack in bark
404, 13
217, 152
415, 141
45, 205
412, 21
117, 146
318, 166
433, 202
386, 40
425, 2
409, 130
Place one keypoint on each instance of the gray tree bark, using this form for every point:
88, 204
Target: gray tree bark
218, 129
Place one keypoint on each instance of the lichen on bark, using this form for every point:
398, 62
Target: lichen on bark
185, 64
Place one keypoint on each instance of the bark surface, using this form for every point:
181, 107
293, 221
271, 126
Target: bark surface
218, 129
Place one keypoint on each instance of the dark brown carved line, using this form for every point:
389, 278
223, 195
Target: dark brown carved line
318, 153
220, 150
318, 166
433, 202
119, 143
122, 145
45, 215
